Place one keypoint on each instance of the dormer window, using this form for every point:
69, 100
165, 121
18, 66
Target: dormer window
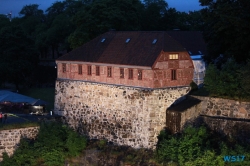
127, 40
173, 56
154, 41
103, 40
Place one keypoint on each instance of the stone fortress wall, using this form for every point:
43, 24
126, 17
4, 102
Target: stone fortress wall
130, 116
229, 117
10, 138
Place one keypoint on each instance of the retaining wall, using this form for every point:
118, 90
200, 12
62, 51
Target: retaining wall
130, 116
9, 139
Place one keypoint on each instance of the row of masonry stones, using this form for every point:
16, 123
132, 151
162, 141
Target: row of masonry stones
122, 115
11, 138
218, 107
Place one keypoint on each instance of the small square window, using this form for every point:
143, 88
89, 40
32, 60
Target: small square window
97, 72
109, 72
64, 67
130, 73
79, 69
121, 73
89, 70
139, 74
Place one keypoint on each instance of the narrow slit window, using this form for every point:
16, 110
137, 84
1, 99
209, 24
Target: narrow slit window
64, 67
173, 74
89, 70
97, 72
79, 69
130, 74
139, 74
109, 72
121, 73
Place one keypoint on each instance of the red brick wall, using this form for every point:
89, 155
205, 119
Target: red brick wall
163, 66
158, 77
72, 73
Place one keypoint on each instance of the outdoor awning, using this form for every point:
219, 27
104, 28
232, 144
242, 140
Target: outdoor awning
6, 95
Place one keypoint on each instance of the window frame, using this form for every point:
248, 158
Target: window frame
139, 74
173, 75
173, 56
109, 71
122, 73
97, 70
64, 67
89, 70
79, 69
130, 74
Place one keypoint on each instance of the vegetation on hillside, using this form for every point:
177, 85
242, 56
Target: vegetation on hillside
57, 144
54, 143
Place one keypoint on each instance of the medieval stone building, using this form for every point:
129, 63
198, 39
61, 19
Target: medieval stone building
118, 86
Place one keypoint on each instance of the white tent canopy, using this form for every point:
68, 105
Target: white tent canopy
6, 95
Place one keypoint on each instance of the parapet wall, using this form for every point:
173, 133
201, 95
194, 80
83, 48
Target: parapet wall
10, 138
124, 115
218, 107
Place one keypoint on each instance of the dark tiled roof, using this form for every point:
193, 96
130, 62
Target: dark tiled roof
192, 41
138, 51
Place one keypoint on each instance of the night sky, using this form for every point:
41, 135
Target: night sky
15, 6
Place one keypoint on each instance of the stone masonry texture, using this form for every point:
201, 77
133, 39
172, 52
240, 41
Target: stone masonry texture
10, 138
123, 115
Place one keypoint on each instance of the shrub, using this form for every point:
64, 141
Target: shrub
53, 144
193, 86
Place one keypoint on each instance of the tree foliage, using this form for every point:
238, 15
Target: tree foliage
226, 28
17, 52
53, 144
231, 80
69, 24
197, 146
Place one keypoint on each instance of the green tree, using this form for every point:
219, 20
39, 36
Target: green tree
17, 52
100, 16
226, 28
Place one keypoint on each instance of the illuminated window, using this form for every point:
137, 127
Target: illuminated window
89, 70
64, 67
97, 72
173, 56
139, 74
130, 73
79, 69
173, 74
121, 73
109, 72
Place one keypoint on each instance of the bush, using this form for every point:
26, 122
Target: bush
53, 144
230, 81
199, 147
193, 86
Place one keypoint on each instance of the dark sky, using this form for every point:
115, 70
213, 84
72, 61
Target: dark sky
15, 6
